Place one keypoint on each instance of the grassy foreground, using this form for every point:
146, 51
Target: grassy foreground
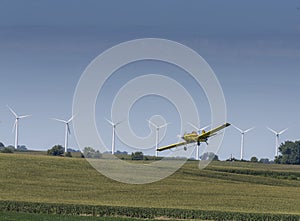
223, 186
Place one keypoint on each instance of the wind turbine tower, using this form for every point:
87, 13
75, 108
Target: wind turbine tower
157, 134
114, 125
242, 139
16, 125
67, 130
277, 138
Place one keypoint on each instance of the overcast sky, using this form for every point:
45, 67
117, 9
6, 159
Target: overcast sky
253, 48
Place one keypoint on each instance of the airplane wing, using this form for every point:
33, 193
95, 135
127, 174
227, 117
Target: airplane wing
213, 131
171, 146
201, 136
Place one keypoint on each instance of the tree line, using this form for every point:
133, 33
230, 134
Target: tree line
289, 153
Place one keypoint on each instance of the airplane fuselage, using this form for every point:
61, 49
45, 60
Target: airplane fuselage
193, 137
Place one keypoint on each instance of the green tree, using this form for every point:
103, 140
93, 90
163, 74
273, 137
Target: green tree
254, 159
1, 145
56, 150
90, 152
290, 153
137, 156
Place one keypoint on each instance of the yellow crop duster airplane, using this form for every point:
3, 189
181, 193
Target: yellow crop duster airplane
195, 137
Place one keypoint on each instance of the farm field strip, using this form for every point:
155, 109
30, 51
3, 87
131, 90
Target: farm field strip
45, 179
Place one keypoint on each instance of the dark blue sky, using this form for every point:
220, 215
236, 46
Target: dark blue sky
253, 47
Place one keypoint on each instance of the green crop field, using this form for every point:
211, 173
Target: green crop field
13, 216
223, 187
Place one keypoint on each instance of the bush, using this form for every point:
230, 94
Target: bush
264, 160
7, 150
21, 148
254, 159
56, 150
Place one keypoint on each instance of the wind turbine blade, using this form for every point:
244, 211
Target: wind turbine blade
24, 116
69, 131
237, 128
150, 122
11, 110
272, 130
71, 119
110, 122
63, 121
14, 127
164, 125
120, 122
281, 132
192, 125
248, 129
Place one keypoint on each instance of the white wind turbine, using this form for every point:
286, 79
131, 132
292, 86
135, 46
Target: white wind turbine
114, 125
16, 125
242, 139
157, 134
199, 131
67, 130
277, 138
